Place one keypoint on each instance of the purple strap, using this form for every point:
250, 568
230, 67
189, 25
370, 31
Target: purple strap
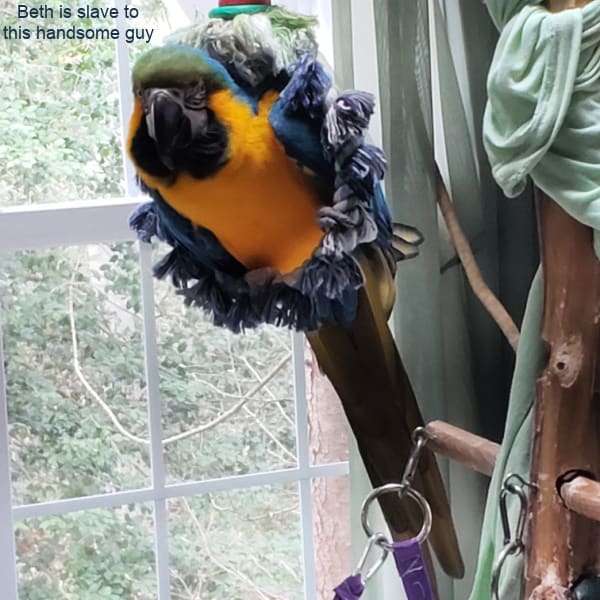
351, 588
411, 566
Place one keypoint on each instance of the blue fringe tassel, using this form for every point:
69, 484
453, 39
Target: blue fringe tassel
306, 92
363, 170
331, 277
275, 303
180, 265
347, 225
347, 122
143, 221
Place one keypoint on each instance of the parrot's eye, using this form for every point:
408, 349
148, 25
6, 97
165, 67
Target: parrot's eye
194, 96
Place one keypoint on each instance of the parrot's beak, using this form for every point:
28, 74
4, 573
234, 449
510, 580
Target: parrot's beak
171, 123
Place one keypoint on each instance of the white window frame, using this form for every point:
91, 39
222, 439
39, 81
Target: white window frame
105, 221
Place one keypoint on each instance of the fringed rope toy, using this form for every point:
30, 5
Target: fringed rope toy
254, 45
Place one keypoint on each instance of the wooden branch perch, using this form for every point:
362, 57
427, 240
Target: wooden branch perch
562, 546
581, 495
469, 449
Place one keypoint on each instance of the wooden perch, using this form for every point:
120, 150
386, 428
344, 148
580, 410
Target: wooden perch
558, 5
459, 445
561, 545
581, 495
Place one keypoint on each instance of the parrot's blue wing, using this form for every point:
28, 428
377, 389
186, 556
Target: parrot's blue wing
298, 115
352, 168
159, 219
301, 140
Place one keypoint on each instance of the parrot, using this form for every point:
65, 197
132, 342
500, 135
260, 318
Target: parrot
263, 185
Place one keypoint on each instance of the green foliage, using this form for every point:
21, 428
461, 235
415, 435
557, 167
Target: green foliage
96, 555
59, 116
65, 445
61, 141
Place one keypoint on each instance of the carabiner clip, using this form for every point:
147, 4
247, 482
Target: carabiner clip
376, 539
514, 545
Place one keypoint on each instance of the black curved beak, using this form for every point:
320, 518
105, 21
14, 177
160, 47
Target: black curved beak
166, 123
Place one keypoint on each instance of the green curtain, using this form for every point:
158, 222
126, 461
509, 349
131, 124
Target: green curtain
459, 363
543, 115
542, 121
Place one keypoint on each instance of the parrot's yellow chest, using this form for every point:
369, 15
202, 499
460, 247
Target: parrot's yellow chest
261, 206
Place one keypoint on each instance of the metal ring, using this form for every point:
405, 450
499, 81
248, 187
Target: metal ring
401, 490
420, 435
513, 549
375, 540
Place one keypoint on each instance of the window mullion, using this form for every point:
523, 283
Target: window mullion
176, 490
152, 366
305, 483
161, 525
161, 531
8, 562
155, 421
65, 224
125, 96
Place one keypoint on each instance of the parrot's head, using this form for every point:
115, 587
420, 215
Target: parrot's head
172, 126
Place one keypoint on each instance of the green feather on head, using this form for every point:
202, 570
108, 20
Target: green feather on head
255, 46
161, 67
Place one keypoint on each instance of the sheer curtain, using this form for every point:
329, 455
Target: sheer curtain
432, 60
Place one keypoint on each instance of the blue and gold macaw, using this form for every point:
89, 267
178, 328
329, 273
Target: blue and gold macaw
263, 185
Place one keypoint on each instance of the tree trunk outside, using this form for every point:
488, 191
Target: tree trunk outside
331, 496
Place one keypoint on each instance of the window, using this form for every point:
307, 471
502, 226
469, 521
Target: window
145, 454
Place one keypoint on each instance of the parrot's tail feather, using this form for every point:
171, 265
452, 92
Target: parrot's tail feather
405, 241
364, 366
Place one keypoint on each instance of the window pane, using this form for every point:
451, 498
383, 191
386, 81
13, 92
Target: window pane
64, 399
58, 114
91, 555
243, 544
156, 19
210, 382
